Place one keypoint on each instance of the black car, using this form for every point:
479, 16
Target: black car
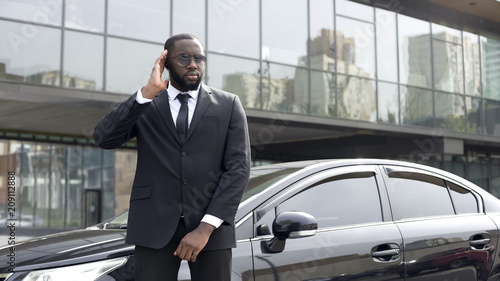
322, 220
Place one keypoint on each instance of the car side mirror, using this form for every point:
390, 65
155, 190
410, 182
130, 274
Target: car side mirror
289, 225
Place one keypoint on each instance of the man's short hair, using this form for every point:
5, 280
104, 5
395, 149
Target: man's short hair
174, 38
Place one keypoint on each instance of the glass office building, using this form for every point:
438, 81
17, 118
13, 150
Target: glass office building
409, 80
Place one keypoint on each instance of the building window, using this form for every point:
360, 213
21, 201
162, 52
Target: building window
85, 15
43, 12
83, 61
490, 62
236, 75
233, 27
148, 20
355, 47
388, 103
414, 52
18, 61
285, 36
416, 106
129, 64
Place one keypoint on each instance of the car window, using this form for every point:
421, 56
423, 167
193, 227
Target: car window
341, 200
463, 200
418, 195
262, 178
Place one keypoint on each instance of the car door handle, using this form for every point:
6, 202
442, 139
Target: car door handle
480, 242
386, 253
391, 252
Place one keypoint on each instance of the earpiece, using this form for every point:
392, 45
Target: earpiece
166, 62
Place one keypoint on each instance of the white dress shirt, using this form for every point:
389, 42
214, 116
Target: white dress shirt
175, 105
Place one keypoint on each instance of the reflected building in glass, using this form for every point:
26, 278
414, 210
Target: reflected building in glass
53, 78
319, 79
492, 68
350, 96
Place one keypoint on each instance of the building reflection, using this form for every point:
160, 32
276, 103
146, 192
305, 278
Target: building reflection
355, 97
491, 63
8, 76
447, 107
336, 86
440, 89
52, 78
331, 83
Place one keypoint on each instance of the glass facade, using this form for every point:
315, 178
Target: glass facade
335, 59
312, 58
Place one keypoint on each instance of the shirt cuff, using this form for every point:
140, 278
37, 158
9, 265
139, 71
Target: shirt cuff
212, 220
140, 99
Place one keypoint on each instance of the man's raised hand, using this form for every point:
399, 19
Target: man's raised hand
156, 84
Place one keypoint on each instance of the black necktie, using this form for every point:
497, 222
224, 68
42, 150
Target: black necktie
182, 118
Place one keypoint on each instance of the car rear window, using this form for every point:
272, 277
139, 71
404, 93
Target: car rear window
415, 195
463, 200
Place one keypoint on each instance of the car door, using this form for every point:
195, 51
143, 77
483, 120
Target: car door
446, 235
355, 240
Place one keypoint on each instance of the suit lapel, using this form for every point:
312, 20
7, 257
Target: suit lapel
163, 106
204, 101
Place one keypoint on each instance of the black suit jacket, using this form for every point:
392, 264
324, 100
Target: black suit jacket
204, 175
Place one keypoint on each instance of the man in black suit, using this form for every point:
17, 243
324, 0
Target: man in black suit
193, 165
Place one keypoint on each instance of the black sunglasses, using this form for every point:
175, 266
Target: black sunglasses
185, 59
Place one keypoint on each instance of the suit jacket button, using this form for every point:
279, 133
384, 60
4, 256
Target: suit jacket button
184, 153
185, 181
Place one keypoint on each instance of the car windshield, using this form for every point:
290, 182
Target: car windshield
260, 179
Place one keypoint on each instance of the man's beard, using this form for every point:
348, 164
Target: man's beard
185, 86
